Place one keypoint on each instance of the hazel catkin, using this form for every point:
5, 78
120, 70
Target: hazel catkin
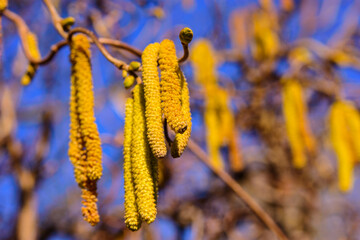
154, 125
32, 43
84, 146
132, 217
171, 87
181, 139
84, 110
3, 5
141, 160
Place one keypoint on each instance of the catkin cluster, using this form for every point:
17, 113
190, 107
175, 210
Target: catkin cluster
297, 126
85, 146
144, 138
344, 123
32, 43
219, 118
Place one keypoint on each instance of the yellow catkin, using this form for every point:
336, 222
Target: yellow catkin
35, 53
154, 125
3, 5
266, 40
89, 209
132, 217
171, 87
204, 62
341, 141
352, 117
181, 140
142, 163
212, 122
297, 126
228, 131
301, 112
83, 97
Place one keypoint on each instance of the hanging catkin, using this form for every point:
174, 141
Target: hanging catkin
84, 147
32, 43
171, 87
132, 217
142, 162
3, 5
344, 129
181, 139
84, 98
154, 125
89, 209
298, 130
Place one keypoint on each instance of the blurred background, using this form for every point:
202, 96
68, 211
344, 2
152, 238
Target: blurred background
243, 55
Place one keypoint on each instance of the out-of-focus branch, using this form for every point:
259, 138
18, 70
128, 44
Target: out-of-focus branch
249, 201
55, 17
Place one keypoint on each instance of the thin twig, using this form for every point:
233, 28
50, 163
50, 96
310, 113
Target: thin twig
249, 201
186, 53
55, 17
118, 63
121, 45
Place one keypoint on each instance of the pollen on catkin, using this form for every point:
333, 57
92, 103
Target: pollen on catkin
32, 43
181, 140
142, 161
132, 216
83, 109
171, 87
153, 114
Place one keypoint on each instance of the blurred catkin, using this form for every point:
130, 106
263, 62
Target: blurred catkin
3, 5
213, 128
142, 162
132, 217
32, 43
203, 60
298, 130
181, 139
265, 39
153, 114
344, 123
171, 87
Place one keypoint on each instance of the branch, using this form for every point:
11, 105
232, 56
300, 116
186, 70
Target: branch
249, 201
121, 45
118, 63
55, 17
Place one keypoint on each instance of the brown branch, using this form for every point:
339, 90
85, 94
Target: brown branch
23, 30
121, 45
186, 53
118, 63
55, 17
249, 201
